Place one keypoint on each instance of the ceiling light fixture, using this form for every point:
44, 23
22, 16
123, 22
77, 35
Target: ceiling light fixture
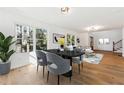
94, 28
65, 10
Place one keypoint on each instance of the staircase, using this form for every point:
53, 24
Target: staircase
117, 47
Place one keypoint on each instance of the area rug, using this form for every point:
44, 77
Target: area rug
94, 59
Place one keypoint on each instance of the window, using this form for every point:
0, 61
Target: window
104, 41
101, 41
41, 39
24, 37
25, 40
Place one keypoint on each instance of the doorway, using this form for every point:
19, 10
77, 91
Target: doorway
92, 42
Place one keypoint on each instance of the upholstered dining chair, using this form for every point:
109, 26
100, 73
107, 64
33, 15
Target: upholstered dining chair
58, 66
78, 60
41, 59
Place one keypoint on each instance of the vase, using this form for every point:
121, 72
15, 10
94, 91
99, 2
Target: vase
61, 47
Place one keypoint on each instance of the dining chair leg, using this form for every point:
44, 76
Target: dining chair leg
70, 78
43, 70
79, 68
71, 62
47, 76
82, 65
58, 79
37, 67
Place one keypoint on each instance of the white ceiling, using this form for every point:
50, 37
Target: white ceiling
78, 19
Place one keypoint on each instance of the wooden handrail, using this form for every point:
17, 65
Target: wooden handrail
117, 42
114, 43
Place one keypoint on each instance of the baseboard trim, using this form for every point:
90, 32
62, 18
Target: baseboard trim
20, 66
103, 50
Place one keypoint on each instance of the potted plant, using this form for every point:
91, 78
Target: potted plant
5, 53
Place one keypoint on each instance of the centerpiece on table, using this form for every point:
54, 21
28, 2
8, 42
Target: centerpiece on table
61, 42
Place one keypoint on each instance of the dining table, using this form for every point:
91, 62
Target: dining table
67, 54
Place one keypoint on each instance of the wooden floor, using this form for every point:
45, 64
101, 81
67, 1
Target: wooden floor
109, 71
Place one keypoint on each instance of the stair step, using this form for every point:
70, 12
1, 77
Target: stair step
117, 51
120, 54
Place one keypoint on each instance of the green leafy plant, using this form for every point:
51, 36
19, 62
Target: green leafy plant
73, 40
5, 43
68, 39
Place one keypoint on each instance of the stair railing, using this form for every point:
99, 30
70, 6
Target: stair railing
117, 45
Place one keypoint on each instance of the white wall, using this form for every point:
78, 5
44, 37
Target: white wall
84, 39
7, 26
114, 35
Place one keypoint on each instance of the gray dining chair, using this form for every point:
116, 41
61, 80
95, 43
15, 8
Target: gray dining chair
78, 60
59, 65
41, 59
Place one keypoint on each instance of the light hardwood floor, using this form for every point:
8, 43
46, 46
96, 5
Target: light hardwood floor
109, 71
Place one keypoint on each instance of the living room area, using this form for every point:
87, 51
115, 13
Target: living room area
93, 45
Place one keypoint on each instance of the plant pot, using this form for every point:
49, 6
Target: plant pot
5, 68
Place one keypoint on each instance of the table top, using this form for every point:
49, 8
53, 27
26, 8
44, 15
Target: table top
66, 53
